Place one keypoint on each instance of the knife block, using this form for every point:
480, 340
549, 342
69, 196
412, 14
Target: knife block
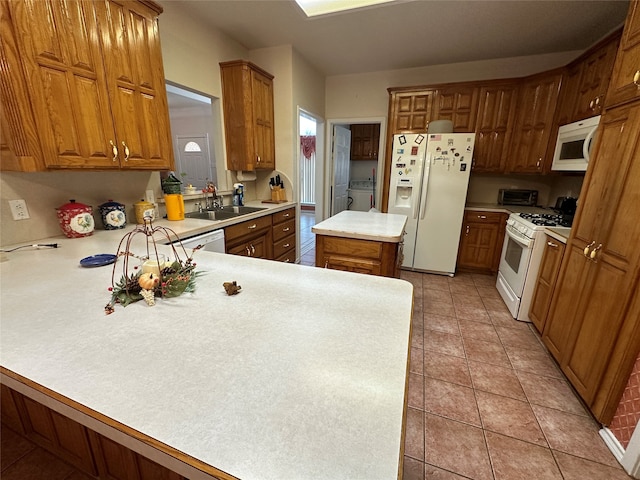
278, 194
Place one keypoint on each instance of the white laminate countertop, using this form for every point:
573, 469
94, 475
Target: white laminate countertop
381, 227
300, 376
494, 207
559, 233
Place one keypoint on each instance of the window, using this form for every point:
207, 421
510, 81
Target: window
192, 147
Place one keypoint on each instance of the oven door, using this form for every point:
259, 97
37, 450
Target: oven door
514, 260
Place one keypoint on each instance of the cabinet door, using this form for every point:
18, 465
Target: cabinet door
493, 127
536, 108
568, 99
477, 246
364, 141
65, 74
19, 142
589, 307
547, 275
411, 111
262, 98
625, 78
58, 434
458, 104
594, 80
133, 61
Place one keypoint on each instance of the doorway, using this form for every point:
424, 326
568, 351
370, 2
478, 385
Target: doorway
193, 160
310, 164
368, 170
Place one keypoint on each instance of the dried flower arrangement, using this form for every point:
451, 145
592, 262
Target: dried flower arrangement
167, 279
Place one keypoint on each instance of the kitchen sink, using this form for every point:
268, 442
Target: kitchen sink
224, 213
241, 210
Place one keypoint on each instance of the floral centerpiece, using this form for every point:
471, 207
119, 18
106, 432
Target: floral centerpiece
151, 276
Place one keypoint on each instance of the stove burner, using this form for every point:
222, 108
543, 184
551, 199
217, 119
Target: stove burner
548, 219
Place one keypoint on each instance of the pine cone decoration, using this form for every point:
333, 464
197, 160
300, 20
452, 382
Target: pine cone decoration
131, 284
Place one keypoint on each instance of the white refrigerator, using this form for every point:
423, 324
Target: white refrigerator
429, 179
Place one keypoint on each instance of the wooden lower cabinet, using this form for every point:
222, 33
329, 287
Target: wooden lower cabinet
481, 241
547, 276
359, 256
272, 237
252, 238
284, 236
79, 446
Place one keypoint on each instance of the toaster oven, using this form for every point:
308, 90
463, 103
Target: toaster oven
511, 196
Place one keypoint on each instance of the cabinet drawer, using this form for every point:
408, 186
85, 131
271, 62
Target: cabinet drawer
289, 257
284, 229
476, 216
352, 247
282, 246
284, 216
246, 228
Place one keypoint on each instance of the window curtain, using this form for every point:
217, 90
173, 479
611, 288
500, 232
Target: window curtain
308, 169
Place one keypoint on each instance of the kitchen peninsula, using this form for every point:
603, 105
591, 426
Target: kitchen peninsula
362, 242
275, 382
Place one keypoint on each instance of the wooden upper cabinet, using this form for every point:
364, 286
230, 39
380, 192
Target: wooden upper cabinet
625, 79
594, 80
536, 106
365, 139
19, 143
247, 101
95, 97
496, 112
458, 104
410, 112
135, 77
568, 99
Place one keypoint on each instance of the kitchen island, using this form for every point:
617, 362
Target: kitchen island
275, 382
362, 242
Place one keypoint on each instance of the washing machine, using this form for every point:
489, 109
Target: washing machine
361, 195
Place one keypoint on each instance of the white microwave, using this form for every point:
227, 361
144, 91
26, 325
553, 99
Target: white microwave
574, 145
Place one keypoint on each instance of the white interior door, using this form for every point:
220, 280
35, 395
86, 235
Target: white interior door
341, 156
194, 160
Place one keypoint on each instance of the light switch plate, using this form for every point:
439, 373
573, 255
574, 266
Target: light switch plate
149, 196
19, 209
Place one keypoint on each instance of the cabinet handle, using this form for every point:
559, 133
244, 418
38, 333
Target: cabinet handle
587, 248
326, 263
467, 232
636, 79
594, 252
258, 158
482, 216
252, 226
114, 150
253, 250
286, 245
539, 162
552, 245
597, 101
286, 215
286, 260
248, 251
126, 152
286, 229
591, 104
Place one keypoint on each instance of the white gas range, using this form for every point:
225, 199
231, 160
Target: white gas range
520, 259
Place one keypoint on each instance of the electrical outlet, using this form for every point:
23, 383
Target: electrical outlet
19, 209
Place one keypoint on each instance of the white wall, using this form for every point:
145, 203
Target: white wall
365, 95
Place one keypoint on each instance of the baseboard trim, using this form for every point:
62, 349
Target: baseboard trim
612, 442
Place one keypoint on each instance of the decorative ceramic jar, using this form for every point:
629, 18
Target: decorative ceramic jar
144, 210
75, 219
113, 215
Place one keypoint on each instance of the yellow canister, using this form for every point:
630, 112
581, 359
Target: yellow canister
175, 206
144, 209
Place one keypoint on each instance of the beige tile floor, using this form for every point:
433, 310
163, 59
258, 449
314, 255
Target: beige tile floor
485, 402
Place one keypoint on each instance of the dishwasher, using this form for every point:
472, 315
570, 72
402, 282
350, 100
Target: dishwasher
211, 241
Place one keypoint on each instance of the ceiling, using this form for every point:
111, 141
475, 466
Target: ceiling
413, 33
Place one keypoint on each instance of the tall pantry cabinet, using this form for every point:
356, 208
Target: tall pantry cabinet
93, 83
591, 330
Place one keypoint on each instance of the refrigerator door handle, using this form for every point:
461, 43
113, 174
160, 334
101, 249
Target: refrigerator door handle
425, 186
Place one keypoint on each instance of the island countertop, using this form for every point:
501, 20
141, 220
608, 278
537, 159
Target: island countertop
381, 227
273, 383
